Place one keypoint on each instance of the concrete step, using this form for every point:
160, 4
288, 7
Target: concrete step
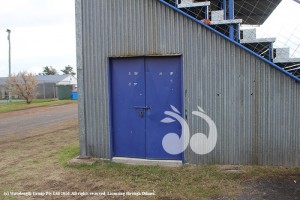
137, 161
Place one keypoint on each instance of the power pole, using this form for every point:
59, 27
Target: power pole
9, 64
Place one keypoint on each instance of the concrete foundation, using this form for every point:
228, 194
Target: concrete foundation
135, 161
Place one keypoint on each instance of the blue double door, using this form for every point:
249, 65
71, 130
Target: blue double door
142, 89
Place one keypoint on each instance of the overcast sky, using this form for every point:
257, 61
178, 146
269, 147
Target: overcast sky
43, 32
284, 25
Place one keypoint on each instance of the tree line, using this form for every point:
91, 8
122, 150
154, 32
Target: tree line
49, 70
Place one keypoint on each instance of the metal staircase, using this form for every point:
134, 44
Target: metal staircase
262, 46
227, 16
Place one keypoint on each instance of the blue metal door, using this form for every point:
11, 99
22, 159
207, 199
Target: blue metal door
128, 91
142, 89
163, 88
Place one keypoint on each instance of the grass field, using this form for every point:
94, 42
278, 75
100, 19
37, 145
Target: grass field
39, 163
21, 105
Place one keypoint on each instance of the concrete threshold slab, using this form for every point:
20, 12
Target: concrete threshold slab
83, 160
137, 161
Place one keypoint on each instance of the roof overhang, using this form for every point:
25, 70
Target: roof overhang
253, 12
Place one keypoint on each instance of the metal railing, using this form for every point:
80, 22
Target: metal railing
261, 26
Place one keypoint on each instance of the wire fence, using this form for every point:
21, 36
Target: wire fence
270, 28
44, 91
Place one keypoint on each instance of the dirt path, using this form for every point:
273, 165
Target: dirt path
37, 120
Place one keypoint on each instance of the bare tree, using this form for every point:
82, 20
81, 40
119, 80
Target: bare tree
23, 84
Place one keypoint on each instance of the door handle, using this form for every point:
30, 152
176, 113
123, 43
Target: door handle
142, 107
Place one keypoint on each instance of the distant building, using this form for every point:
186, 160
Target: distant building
49, 86
2, 88
56, 86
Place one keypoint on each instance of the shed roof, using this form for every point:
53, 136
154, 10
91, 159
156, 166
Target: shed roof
45, 78
52, 78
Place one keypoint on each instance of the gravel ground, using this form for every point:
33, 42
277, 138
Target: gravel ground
23, 121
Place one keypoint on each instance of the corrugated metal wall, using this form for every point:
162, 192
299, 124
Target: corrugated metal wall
255, 107
47, 91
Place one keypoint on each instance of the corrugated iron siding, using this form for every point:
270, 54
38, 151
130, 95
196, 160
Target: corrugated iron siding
255, 107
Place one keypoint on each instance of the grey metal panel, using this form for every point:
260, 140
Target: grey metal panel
46, 91
254, 106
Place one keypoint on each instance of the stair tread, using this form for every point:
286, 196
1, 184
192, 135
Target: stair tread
190, 5
286, 60
258, 40
228, 21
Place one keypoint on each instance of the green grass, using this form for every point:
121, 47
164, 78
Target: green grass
21, 105
40, 163
67, 153
188, 182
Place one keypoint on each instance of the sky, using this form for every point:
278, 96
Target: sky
284, 25
43, 33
